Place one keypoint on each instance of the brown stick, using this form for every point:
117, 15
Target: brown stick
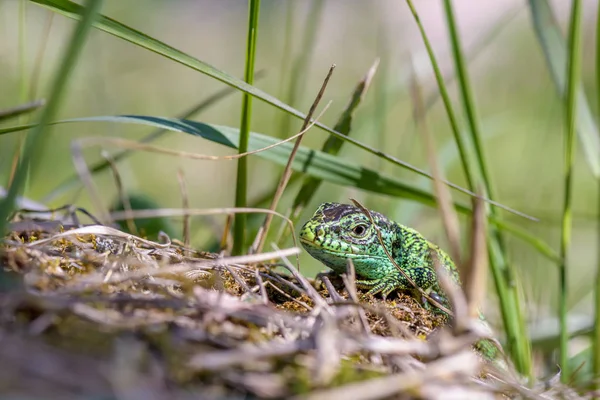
287, 172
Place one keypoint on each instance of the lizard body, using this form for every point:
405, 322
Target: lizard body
337, 232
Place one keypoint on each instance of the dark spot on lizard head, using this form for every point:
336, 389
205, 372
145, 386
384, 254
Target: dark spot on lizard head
332, 212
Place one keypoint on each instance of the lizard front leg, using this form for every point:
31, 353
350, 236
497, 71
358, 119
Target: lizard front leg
385, 285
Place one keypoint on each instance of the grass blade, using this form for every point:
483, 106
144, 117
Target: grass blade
573, 82
72, 10
514, 324
551, 40
241, 187
115, 28
314, 163
458, 137
596, 337
56, 95
74, 182
20, 110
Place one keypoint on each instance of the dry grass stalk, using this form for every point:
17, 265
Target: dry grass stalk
97, 299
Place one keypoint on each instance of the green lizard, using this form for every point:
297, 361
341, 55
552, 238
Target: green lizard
337, 232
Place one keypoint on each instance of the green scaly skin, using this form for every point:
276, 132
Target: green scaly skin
337, 232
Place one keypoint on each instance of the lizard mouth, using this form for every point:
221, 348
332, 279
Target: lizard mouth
351, 252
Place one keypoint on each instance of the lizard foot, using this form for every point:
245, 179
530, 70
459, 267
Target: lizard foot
383, 286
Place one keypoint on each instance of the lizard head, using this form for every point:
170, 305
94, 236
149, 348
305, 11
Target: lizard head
337, 232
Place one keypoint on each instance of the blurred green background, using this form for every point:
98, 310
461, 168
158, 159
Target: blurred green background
520, 110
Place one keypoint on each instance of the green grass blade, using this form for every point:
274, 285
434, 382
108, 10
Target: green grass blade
17, 128
504, 279
542, 247
573, 82
124, 32
241, 187
74, 182
551, 40
54, 100
311, 162
467, 98
458, 137
115, 28
596, 337
314, 163
482, 42
20, 110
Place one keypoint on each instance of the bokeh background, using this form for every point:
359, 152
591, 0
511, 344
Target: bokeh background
520, 110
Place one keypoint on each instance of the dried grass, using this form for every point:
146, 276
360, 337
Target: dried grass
106, 314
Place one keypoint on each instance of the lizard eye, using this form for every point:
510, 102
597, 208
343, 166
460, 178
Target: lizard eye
359, 230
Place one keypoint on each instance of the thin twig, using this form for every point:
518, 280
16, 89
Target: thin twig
311, 291
261, 236
238, 279
444, 198
350, 283
478, 263
261, 286
284, 294
185, 204
224, 245
121, 193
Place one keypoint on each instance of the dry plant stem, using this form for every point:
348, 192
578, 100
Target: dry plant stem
121, 193
396, 327
99, 166
284, 294
331, 290
86, 176
478, 263
284, 282
328, 350
133, 145
219, 360
311, 291
455, 296
332, 144
461, 364
205, 264
238, 279
444, 198
261, 286
350, 283
94, 230
177, 212
287, 172
185, 204
226, 233
387, 253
